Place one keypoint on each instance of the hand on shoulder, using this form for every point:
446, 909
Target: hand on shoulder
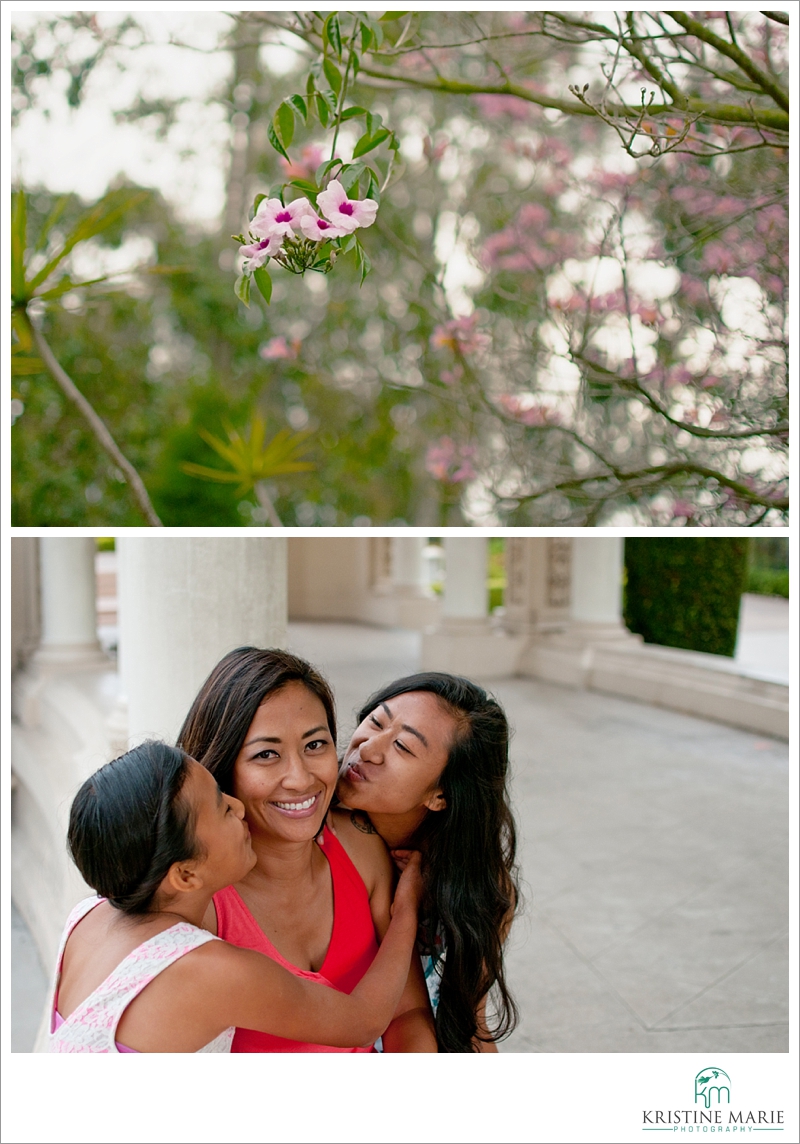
365, 848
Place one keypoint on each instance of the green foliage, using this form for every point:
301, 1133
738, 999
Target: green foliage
768, 571
497, 572
768, 581
685, 592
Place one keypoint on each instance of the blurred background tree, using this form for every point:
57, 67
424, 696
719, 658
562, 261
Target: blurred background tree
577, 312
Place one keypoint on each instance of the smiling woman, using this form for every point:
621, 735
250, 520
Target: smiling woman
316, 902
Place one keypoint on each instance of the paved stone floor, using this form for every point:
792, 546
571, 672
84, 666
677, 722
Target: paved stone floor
653, 849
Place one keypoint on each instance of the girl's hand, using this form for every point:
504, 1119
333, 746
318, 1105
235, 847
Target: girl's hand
401, 857
409, 889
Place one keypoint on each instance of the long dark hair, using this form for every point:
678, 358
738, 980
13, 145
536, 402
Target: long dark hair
468, 862
128, 824
215, 728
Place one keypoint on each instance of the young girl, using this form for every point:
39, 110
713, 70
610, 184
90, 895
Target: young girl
153, 834
427, 771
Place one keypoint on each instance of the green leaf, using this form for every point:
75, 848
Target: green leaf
347, 244
19, 228
257, 201
97, 219
323, 111
331, 34
284, 124
352, 112
264, 283
350, 175
276, 191
373, 189
300, 106
323, 169
366, 36
275, 141
242, 288
332, 74
388, 16
364, 263
369, 142
304, 185
373, 122
373, 27
51, 220
311, 86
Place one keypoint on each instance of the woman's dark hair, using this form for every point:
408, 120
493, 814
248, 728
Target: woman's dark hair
468, 859
128, 824
215, 728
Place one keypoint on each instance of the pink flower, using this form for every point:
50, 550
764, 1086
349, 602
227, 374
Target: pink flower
452, 376
450, 463
277, 348
319, 229
257, 253
273, 218
460, 334
310, 159
524, 408
682, 508
346, 213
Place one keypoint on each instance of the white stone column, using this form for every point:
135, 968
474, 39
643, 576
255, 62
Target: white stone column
464, 643
68, 610
597, 563
184, 603
466, 599
408, 573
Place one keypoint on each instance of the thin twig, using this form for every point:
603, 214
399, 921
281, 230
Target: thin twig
98, 427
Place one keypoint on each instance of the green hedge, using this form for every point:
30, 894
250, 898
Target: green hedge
768, 581
686, 592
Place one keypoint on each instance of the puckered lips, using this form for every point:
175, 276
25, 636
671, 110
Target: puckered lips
305, 807
354, 773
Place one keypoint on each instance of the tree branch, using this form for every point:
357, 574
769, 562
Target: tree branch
97, 426
719, 113
735, 53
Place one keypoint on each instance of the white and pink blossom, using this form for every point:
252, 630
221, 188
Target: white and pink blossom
273, 218
319, 229
347, 213
257, 253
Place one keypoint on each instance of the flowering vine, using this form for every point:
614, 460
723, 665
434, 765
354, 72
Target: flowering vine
311, 231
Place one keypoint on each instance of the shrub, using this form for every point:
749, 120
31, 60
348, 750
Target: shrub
686, 592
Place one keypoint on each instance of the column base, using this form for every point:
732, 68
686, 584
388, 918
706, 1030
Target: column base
568, 656
82, 656
471, 647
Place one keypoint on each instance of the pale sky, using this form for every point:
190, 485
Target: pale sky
84, 149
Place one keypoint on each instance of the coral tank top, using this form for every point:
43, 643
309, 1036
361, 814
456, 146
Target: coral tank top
351, 951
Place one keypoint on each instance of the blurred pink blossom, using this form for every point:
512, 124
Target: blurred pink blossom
450, 463
496, 106
452, 376
433, 151
277, 348
306, 168
719, 258
682, 508
524, 408
460, 335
